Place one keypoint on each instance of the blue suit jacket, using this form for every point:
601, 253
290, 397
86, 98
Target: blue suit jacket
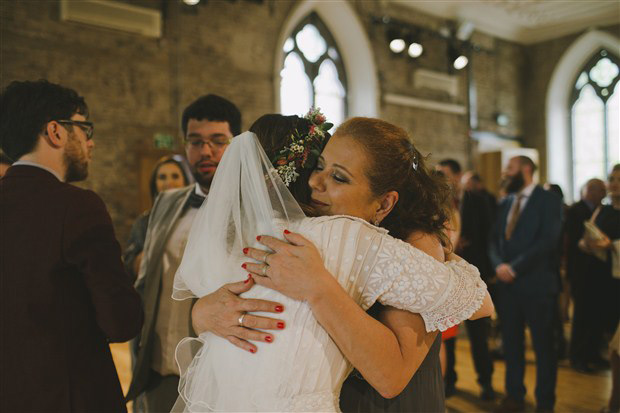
532, 249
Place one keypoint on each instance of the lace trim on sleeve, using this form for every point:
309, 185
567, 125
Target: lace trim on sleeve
444, 294
464, 297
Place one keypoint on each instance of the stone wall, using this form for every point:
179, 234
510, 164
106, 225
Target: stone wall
137, 86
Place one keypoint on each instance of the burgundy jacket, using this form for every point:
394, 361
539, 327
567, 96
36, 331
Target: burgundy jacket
64, 296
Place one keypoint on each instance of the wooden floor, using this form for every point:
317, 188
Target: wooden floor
575, 392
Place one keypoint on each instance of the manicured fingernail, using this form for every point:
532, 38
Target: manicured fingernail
286, 231
248, 279
258, 238
268, 339
280, 325
245, 250
279, 308
244, 265
252, 350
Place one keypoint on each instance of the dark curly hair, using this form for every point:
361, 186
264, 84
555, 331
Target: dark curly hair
213, 108
423, 203
26, 107
273, 132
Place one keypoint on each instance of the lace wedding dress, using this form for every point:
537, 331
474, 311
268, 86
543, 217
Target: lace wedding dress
302, 369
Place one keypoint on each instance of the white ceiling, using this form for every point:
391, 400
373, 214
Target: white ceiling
524, 21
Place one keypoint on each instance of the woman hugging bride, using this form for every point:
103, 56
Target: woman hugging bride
327, 227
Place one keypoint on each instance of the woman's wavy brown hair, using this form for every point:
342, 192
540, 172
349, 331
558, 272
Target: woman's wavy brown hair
423, 203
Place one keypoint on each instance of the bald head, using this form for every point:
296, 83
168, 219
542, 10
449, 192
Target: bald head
594, 191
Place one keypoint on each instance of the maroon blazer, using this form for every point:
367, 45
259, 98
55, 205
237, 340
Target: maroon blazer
64, 296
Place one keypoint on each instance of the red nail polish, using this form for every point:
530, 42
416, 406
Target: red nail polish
280, 325
279, 308
268, 339
286, 231
258, 238
248, 279
244, 265
245, 250
252, 350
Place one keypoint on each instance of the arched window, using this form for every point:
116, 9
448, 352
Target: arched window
595, 118
312, 72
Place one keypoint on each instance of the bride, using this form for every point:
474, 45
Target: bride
303, 369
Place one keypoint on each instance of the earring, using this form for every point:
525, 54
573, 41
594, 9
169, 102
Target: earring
376, 222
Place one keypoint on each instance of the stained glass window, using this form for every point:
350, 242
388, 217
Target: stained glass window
312, 72
595, 119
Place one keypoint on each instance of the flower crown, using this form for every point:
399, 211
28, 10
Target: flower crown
306, 144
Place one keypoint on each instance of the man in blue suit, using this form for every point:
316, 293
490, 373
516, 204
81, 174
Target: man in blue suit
523, 250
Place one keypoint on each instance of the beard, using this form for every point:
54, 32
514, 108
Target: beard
515, 183
76, 161
204, 179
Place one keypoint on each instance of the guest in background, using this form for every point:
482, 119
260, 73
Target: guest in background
476, 212
564, 295
605, 268
65, 294
587, 326
169, 173
5, 163
471, 181
208, 124
614, 358
523, 248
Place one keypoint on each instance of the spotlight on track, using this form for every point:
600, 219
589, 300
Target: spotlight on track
460, 62
415, 50
397, 42
458, 58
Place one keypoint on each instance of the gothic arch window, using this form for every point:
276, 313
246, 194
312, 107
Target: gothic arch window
312, 72
595, 118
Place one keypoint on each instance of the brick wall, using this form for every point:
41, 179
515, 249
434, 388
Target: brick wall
137, 86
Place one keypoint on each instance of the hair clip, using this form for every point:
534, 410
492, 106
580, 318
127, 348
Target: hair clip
414, 164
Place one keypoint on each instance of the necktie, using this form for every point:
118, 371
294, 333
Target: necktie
512, 222
195, 200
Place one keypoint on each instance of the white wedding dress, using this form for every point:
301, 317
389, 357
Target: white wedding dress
302, 369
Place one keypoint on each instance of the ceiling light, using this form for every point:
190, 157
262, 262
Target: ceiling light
396, 40
460, 62
397, 45
191, 2
415, 50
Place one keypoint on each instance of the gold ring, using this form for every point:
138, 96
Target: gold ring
267, 254
241, 320
264, 270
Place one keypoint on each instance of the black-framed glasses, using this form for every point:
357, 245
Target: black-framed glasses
86, 126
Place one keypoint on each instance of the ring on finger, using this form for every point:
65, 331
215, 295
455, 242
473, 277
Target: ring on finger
241, 319
264, 270
267, 254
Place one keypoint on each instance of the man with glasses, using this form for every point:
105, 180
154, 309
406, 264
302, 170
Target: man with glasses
65, 294
208, 126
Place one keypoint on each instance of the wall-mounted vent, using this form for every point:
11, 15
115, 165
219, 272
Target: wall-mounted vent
113, 15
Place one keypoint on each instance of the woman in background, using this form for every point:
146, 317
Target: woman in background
167, 174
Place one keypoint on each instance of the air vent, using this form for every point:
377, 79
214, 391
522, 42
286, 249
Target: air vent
113, 15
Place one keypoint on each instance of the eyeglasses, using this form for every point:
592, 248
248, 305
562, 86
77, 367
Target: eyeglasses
214, 144
87, 127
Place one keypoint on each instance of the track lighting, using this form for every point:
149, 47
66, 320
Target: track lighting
415, 50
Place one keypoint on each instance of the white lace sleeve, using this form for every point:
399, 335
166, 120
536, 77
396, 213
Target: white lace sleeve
444, 294
373, 266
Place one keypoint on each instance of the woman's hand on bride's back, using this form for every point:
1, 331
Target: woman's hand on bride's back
294, 268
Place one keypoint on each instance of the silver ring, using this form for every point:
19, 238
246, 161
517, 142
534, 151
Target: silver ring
264, 270
241, 320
